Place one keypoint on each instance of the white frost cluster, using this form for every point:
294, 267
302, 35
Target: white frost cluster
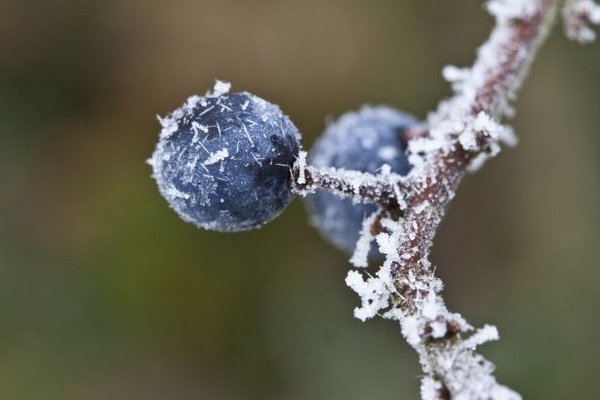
484, 127
169, 123
219, 89
578, 15
375, 292
510, 9
454, 117
301, 165
363, 246
467, 375
486, 334
430, 388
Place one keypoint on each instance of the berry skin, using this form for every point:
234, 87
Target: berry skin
223, 160
363, 140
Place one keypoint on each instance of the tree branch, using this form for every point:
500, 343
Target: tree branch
463, 128
464, 131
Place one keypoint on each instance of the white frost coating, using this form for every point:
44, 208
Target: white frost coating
430, 389
173, 193
508, 136
374, 292
452, 73
198, 127
466, 81
301, 164
481, 125
388, 153
363, 246
169, 123
217, 156
486, 334
469, 376
477, 163
578, 15
347, 179
479, 133
169, 126
438, 329
385, 243
386, 170
509, 9
481, 128
411, 329
220, 88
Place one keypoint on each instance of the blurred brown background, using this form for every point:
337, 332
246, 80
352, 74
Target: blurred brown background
106, 294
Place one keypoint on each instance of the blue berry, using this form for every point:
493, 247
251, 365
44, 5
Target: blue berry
223, 160
363, 140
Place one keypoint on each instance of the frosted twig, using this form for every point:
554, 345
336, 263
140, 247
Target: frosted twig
462, 133
386, 190
463, 128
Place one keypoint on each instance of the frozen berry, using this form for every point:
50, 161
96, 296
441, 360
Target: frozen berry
223, 160
363, 140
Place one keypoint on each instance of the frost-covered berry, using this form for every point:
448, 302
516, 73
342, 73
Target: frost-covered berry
363, 140
223, 160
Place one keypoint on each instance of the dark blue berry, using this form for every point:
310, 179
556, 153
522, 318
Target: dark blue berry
223, 160
364, 141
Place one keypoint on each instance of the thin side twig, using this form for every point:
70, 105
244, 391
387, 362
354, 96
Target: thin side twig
385, 190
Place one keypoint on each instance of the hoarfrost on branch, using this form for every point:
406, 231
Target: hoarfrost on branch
459, 136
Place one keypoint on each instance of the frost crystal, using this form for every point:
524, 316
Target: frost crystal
486, 334
430, 389
578, 15
301, 163
217, 156
363, 246
374, 292
510, 9
222, 88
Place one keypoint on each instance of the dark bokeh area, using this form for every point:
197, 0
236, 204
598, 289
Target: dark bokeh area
106, 294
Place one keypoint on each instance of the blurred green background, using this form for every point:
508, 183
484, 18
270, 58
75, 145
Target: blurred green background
106, 294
